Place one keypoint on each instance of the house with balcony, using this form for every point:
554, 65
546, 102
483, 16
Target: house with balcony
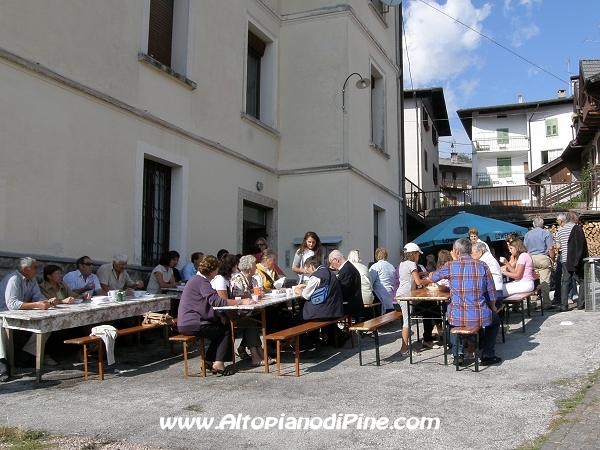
455, 181
425, 121
509, 141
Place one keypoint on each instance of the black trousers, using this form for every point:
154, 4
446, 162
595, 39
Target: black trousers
220, 340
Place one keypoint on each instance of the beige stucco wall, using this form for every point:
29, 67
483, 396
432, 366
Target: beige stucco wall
73, 149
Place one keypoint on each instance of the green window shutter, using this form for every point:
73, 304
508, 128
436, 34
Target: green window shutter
504, 168
502, 135
552, 127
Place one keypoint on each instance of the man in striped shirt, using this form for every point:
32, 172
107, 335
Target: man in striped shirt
472, 298
562, 240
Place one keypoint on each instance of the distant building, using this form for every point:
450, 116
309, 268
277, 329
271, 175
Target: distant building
509, 141
455, 181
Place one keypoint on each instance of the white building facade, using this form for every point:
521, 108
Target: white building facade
510, 141
195, 125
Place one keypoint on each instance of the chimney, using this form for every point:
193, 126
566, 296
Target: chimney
562, 93
454, 157
520, 98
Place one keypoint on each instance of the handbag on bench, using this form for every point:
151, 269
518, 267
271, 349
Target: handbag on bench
151, 318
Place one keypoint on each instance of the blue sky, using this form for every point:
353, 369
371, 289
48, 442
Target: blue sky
476, 72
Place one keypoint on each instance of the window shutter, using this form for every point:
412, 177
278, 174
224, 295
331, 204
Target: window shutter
160, 32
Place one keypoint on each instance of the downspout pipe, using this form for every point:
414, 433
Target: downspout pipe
400, 118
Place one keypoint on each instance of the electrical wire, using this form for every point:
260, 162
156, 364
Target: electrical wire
494, 42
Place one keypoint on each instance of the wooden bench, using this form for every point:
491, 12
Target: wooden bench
185, 340
467, 331
87, 341
374, 307
373, 325
299, 330
519, 299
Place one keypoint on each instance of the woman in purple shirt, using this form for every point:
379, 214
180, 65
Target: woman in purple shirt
196, 316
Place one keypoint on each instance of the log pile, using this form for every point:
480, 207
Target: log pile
592, 235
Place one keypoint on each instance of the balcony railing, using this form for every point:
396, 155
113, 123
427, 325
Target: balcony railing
576, 195
449, 183
513, 143
492, 178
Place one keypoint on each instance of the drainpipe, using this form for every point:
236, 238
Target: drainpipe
400, 118
530, 147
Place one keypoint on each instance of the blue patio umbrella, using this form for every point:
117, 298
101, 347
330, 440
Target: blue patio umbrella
458, 227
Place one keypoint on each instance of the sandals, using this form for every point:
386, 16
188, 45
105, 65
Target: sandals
243, 354
262, 362
223, 372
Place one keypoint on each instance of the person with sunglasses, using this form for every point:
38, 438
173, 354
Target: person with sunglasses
83, 281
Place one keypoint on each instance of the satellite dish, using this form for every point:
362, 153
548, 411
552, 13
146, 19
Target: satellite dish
391, 2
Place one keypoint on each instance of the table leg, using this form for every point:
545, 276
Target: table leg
40, 343
263, 319
444, 331
409, 334
10, 350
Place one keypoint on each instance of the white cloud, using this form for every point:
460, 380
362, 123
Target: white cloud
523, 33
439, 48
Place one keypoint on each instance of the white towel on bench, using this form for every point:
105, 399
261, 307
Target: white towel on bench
108, 334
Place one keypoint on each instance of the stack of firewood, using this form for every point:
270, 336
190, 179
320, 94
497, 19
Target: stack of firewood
592, 235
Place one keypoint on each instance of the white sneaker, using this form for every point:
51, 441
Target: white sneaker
49, 361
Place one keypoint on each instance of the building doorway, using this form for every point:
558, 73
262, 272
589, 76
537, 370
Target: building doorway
254, 225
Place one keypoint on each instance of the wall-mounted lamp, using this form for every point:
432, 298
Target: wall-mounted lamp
363, 83
259, 186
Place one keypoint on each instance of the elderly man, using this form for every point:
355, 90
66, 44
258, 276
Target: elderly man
20, 290
540, 245
349, 278
577, 250
191, 268
114, 276
82, 280
480, 252
472, 299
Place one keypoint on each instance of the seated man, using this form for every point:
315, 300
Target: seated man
82, 280
114, 276
327, 304
472, 299
191, 268
349, 278
20, 290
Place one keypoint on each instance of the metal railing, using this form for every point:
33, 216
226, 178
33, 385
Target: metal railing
575, 195
501, 144
493, 178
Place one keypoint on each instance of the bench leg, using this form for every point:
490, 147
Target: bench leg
376, 335
359, 348
185, 359
101, 360
278, 347
203, 356
477, 352
85, 362
297, 355
523, 314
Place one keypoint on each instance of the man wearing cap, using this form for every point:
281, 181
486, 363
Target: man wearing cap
472, 299
540, 245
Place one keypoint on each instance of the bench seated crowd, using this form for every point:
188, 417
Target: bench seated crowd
333, 298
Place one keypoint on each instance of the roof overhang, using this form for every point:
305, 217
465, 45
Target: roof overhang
438, 106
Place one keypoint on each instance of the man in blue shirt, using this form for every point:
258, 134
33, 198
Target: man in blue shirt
540, 245
20, 290
191, 268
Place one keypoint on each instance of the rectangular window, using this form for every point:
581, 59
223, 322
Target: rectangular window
256, 50
375, 229
425, 162
156, 211
502, 135
160, 30
434, 173
504, 167
377, 109
552, 127
545, 159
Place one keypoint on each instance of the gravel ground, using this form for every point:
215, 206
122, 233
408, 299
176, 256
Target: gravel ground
498, 408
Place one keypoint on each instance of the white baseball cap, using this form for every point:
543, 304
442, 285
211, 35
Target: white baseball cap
412, 247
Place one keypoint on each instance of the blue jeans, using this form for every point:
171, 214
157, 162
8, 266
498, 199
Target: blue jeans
489, 340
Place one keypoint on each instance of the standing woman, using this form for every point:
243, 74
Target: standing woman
162, 275
409, 278
311, 245
196, 316
523, 272
382, 274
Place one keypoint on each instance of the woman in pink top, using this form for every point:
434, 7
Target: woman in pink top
523, 274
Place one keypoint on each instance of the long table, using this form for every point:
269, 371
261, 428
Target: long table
62, 316
238, 311
426, 295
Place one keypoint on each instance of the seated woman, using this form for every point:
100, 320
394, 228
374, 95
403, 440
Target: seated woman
54, 287
247, 328
382, 274
162, 275
409, 278
523, 274
196, 316
366, 284
266, 269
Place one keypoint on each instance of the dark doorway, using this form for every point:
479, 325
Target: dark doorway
255, 225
